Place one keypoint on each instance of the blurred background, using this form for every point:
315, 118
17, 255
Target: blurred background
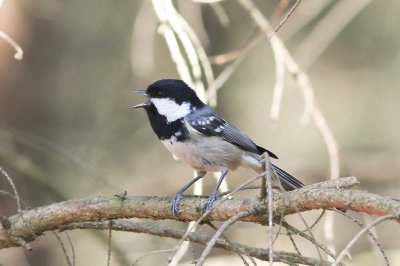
67, 130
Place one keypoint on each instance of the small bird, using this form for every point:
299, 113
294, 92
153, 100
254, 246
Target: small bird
197, 135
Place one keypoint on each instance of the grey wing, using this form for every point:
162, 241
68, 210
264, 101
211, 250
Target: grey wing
209, 123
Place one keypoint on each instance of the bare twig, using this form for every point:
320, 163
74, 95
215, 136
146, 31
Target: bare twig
72, 248
14, 188
279, 10
267, 167
359, 234
311, 234
285, 18
230, 243
19, 53
317, 220
307, 13
375, 244
218, 234
293, 242
371, 235
109, 242
67, 258
152, 253
311, 239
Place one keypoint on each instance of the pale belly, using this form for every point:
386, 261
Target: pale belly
210, 155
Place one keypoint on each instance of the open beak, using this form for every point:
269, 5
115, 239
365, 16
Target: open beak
146, 104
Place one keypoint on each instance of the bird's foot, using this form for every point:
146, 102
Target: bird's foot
175, 203
210, 201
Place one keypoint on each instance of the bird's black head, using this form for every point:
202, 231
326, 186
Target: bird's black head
170, 96
174, 89
169, 101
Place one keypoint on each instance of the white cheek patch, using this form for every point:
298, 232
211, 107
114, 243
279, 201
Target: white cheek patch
170, 109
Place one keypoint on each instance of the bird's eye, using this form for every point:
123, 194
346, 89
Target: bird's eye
160, 93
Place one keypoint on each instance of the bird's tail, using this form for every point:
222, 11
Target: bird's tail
288, 182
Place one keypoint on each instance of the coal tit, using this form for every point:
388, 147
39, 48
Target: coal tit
197, 135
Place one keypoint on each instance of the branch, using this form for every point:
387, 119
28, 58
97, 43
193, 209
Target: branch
27, 224
165, 231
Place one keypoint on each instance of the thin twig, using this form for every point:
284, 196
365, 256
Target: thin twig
375, 245
317, 220
68, 260
293, 242
307, 13
279, 10
14, 188
359, 234
152, 253
267, 165
370, 234
230, 243
109, 242
285, 18
19, 53
72, 248
311, 234
311, 239
218, 234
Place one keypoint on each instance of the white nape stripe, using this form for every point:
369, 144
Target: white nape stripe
170, 109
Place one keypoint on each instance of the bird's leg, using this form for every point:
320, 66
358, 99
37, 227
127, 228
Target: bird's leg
179, 195
213, 196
